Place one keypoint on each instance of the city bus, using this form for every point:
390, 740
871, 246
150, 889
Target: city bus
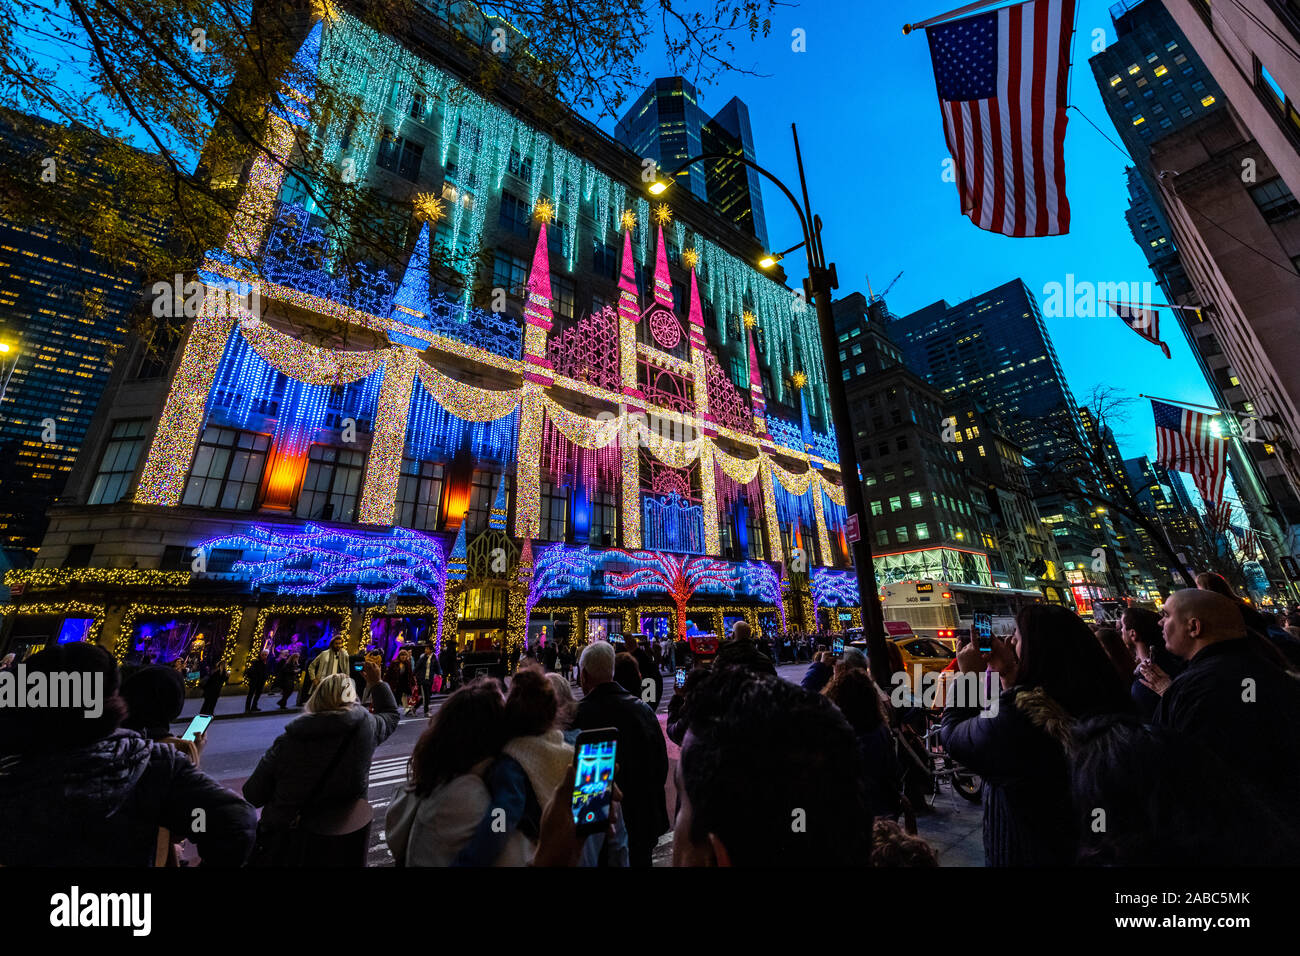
943, 610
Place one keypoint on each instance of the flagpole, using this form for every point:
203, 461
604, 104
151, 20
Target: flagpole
969, 8
1208, 408
1160, 305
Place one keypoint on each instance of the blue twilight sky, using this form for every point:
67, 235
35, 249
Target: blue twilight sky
863, 96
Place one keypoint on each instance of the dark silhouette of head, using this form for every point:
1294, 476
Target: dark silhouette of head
469, 727
769, 772
1059, 653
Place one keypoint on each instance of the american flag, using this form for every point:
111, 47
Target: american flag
1185, 441
1145, 322
1001, 78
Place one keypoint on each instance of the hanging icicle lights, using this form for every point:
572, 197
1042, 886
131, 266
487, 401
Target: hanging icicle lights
436, 434
249, 393
384, 77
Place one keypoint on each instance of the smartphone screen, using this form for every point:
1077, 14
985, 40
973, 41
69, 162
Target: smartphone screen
594, 780
681, 677
837, 646
982, 625
197, 726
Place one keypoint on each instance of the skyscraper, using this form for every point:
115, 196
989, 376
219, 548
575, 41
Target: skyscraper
62, 314
667, 124
1203, 159
995, 347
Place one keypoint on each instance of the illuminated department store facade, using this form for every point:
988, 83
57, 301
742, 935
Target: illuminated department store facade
639, 441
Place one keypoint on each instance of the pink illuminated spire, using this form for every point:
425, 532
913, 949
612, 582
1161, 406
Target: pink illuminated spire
538, 309
696, 317
627, 299
663, 282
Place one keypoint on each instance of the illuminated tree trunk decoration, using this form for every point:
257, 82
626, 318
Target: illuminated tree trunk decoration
678, 575
522, 598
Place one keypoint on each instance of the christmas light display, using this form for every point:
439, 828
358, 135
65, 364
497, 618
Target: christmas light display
458, 560
560, 571
112, 577
672, 523
253, 215
435, 432
338, 622
679, 576
584, 351
318, 559
467, 402
725, 402
95, 613
162, 479
134, 612
834, 588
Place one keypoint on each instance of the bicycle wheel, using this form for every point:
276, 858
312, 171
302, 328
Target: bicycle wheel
966, 784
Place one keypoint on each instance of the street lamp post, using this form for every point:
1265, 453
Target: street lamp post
818, 286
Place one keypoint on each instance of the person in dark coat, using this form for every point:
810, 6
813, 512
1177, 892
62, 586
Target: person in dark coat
853, 691
642, 754
818, 673
90, 793
550, 654
286, 679
1232, 700
450, 665
213, 686
1053, 673
335, 730
1141, 632
426, 669
1178, 804
256, 678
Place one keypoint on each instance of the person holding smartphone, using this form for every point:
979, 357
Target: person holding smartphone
1053, 673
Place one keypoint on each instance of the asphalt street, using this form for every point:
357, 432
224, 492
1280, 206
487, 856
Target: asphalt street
237, 741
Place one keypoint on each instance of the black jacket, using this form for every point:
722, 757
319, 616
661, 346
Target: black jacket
646, 664
435, 668
1257, 737
1028, 820
884, 778
642, 757
256, 673
102, 805
290, 772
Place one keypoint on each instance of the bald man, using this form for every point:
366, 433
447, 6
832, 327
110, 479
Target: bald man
1229, 697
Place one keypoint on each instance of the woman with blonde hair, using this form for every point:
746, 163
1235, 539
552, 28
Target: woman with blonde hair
312, 782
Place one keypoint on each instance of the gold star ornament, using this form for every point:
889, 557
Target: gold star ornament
690, 258
663, 215
429, 207
751, 320
629, 220
799, 379
544, 211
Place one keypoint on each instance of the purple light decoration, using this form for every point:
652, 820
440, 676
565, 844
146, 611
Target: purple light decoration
316, 558
725, 401
834, 588
761, 581
560, 570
